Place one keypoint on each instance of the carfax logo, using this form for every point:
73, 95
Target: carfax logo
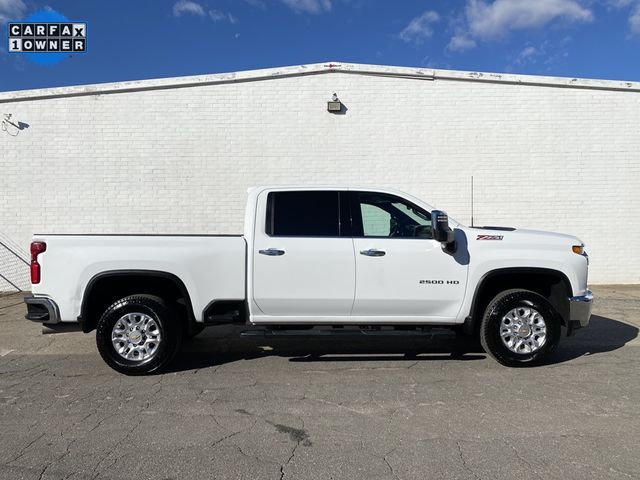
46, 37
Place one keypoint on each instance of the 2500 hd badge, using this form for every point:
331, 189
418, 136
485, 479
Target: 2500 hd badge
439, 282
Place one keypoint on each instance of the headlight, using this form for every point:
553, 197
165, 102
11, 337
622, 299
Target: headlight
579, 249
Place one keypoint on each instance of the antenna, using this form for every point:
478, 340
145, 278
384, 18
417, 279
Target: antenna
472, 200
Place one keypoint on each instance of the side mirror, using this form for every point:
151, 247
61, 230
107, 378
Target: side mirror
440, 227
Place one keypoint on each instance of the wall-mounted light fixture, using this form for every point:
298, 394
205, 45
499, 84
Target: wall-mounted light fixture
12, 128
334, 105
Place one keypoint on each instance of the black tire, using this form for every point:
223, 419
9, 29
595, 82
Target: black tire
490, 328
168, 323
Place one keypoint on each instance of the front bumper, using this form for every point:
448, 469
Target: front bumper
580, 310
42, 310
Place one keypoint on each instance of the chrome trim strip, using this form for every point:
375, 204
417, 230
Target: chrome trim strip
587, 297
580, 308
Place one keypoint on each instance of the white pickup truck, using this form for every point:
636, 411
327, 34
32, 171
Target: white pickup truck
315, 261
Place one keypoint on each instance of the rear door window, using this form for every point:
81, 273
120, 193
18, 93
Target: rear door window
303, 214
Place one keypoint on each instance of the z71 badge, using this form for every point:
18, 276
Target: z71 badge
489, 237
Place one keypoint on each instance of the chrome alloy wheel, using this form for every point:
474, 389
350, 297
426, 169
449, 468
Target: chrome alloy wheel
523, 330
136, 336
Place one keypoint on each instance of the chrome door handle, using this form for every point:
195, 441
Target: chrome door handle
272, 252
372, 252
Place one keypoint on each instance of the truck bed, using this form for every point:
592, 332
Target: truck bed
72, 261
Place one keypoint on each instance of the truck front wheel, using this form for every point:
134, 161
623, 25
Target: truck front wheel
519, 328
138, 334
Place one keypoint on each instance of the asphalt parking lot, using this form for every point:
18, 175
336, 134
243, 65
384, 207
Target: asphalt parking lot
399, 408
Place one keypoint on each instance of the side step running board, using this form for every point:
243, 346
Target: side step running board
222, 319
428, 332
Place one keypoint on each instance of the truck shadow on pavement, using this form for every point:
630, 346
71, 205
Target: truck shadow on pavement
601, 336
221, 345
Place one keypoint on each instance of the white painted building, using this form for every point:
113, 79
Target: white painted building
177, 155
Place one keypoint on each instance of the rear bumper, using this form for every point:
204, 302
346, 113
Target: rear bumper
42, 310
580, 310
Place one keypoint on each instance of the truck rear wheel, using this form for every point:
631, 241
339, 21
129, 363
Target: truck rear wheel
519, 328
138, 334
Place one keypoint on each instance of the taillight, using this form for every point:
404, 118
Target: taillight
36, 249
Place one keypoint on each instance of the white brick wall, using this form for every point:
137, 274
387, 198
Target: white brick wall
179, 160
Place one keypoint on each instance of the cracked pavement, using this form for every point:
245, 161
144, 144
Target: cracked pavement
347, 408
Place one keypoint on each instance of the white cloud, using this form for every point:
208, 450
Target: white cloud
217, 15
634, 16
308, 6
459, 43
527, 55
634, 20
187, 7
220, 16
313, 7
493, 20
619, 3
544, 55
420, 28
11, 10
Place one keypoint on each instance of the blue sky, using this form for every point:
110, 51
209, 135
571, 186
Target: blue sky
138, 39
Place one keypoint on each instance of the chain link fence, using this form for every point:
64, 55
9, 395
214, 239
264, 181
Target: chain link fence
14, 267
